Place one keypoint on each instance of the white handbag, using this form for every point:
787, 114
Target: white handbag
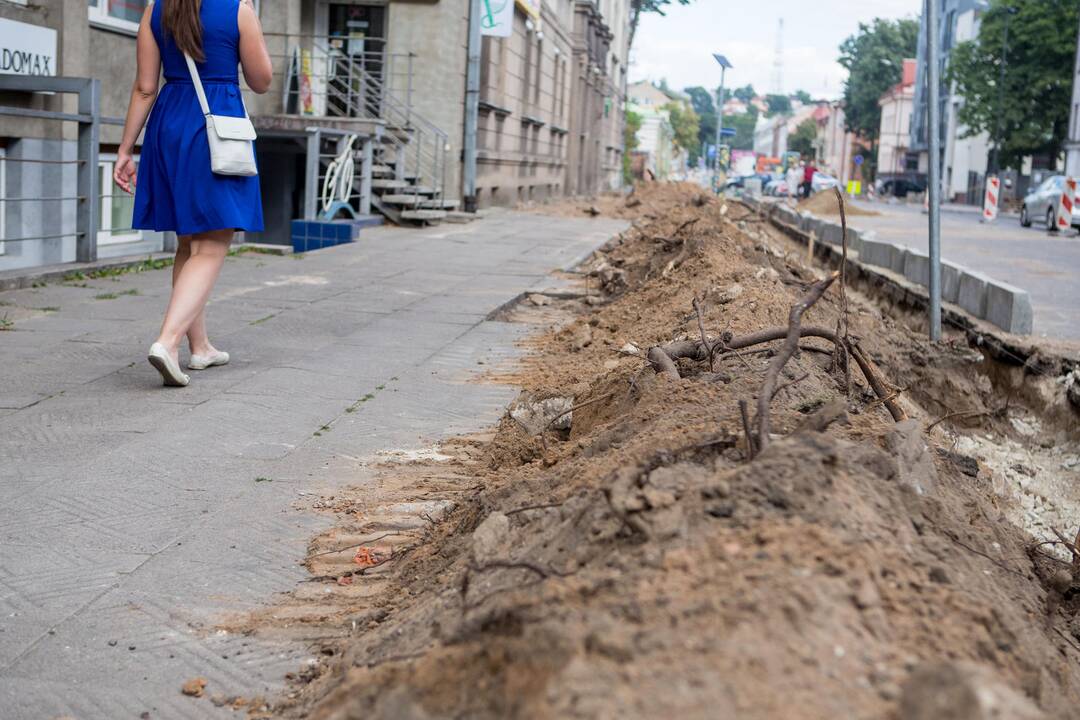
231, 139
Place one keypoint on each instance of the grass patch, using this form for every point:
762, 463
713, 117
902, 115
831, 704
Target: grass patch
49, 308
298, 256
261, 320
245, 249
263, 479
113, 296
6, 323
147, 264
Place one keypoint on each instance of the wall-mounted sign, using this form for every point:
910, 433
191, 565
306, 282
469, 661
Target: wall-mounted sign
27, 49
530, 8
497, 18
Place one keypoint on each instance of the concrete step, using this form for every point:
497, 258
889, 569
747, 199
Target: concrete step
382, 184
417, 189
439, 204
402, 199
382, 171
425, 215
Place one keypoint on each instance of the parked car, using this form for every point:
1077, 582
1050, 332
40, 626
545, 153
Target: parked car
822, 181
777, 187
900, 187
1041, 203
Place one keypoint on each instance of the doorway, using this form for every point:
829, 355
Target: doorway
356, 38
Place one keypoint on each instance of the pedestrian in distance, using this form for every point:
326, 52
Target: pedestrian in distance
793, 177
175, 186
808, 179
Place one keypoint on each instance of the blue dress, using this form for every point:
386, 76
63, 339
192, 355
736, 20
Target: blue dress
175, 189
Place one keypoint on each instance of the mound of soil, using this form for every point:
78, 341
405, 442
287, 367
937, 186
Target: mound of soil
612, 550
824, 203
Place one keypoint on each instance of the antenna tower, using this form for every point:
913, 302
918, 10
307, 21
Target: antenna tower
778, 60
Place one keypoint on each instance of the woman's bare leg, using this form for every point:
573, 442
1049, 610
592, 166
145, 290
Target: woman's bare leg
194, 274
198, 340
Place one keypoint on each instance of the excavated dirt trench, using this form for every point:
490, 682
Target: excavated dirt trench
610, 550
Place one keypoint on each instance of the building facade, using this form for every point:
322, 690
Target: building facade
894, 132
389, 74
964, 159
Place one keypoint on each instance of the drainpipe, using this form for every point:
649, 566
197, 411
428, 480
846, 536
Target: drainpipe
472, 105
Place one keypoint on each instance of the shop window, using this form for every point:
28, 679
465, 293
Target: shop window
121, 15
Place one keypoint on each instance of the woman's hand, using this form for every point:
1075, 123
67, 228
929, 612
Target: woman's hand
124, 172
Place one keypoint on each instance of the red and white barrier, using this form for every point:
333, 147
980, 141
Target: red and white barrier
990, 201
1064, 212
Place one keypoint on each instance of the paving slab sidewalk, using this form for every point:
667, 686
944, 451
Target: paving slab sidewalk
133, 518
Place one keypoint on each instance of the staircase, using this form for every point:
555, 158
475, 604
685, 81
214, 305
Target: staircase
409, 159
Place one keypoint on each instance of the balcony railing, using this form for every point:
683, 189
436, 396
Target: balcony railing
344, 77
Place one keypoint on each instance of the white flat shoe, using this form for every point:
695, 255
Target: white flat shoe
201, 362
162, 361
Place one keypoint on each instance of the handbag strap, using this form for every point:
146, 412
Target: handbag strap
197, 82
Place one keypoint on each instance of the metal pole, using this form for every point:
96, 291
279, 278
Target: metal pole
934, 123
87, 209
719, 128
472, 105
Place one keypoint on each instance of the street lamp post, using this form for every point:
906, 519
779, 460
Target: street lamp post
933, 112
724, 65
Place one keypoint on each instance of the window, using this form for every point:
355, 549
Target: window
114, 222
123, 15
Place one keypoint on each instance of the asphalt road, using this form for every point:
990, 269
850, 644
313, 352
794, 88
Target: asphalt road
1047, 265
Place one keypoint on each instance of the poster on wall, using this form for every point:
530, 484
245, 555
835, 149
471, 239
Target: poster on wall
297, 99
497, 19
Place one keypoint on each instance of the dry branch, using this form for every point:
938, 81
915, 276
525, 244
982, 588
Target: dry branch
662, 362
791, 344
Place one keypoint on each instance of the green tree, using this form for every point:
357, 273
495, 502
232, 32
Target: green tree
630, 142
684, 123
745, 93
648, 6
778, 104
874, 59
1038, 77
802, 140
802, 96
744, 130
702, 101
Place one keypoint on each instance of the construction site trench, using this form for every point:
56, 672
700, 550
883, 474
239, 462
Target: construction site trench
734, 485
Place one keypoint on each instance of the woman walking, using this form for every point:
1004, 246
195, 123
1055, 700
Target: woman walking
175, 188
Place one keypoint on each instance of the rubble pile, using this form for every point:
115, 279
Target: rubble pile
629, 542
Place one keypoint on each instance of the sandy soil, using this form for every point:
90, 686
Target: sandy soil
823, 203
628, 559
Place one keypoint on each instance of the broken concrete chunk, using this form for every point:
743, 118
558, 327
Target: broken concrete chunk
537, 416
962, 691
914, 462
491, 538
539, 300
769, 274
730, 294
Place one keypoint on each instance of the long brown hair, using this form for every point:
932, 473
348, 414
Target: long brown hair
180, 19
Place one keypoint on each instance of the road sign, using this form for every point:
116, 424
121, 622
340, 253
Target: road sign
858, 159
990, 201
727, 132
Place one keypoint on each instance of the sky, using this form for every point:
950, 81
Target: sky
679, 46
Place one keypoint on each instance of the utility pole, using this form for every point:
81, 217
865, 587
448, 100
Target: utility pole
472, 105
933, 111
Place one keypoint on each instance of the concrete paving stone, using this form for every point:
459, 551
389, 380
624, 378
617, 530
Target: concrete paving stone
917, 267
1008, 307
972, 293
950, 281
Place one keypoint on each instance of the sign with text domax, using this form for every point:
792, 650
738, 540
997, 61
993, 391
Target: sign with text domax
27, 49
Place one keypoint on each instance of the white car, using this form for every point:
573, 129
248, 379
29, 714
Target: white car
821, 181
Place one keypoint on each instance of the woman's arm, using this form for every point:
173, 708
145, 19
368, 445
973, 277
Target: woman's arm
254, 57
143, 94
